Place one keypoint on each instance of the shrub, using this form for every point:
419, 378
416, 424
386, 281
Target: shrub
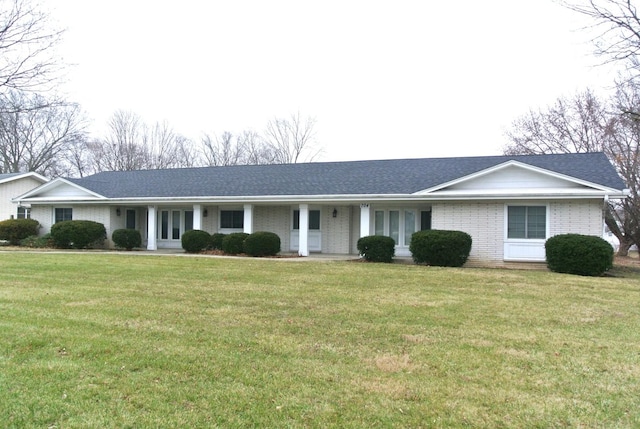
14, 230
37, 242
195, 240
262, 243
216, 241
234, 243
127, 238
377, 248
78, 234
585, 255
441, 248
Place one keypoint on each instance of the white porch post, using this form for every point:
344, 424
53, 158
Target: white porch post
248, 218
365, 219
151, 228
303, 239
197, 216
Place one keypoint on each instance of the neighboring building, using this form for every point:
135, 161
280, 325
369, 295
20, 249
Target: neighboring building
509, 204
13, 185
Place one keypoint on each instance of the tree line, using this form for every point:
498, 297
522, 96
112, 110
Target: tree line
43, 133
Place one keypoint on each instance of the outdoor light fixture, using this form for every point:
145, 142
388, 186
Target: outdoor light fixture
118, 211
335, 212
205, 213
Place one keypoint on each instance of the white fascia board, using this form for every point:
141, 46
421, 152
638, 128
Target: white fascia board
349, 199
35, 175
513, 163
28, 196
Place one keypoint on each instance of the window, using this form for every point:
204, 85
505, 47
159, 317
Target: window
232, 219
130, 221
398, 224
24, 213
314, 220
528, 222
425, 220
62, 214
188, 220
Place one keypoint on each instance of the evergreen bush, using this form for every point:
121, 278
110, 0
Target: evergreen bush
584, 255
262, 243
195, 240
442, 248
15, 230
377, 248
78, 234
233, 243
127, 238
216, 241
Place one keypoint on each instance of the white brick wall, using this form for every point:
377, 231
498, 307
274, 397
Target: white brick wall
579, 217
484, 221
335, 230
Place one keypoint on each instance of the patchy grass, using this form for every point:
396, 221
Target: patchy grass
99, 340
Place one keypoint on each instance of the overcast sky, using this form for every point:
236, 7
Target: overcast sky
384, 79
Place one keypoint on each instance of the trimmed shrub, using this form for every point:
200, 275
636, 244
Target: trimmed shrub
262, 243
584, 255
216, 241
195, 240
441, 248
377, 248
127, 238
233, 243
15, 230
78, 234
37, 242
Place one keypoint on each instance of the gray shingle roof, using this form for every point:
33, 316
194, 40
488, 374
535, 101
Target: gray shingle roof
399, 176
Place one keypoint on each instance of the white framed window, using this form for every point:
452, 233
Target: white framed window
62, 214
314, 220
173, 223
527, 222
23, 213
231, 219
400, 224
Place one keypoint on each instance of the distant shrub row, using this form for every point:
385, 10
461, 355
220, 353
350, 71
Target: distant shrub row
260, 243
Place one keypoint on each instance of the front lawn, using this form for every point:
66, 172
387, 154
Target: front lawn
97, 340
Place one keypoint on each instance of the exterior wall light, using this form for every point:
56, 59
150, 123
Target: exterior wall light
335, 212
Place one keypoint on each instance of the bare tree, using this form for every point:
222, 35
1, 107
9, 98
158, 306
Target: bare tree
292, 140
586, 124
37, 134
133, 145
27, 43
222, 150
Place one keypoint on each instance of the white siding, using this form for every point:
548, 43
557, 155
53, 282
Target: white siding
514, 178
12, 189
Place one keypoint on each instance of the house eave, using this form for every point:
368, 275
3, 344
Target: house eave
347, 198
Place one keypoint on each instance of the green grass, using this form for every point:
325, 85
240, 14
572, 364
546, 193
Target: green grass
96, 340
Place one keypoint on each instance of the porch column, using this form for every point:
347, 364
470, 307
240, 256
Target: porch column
303, 231
151, 228
365, 219
197, 216
248, 218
